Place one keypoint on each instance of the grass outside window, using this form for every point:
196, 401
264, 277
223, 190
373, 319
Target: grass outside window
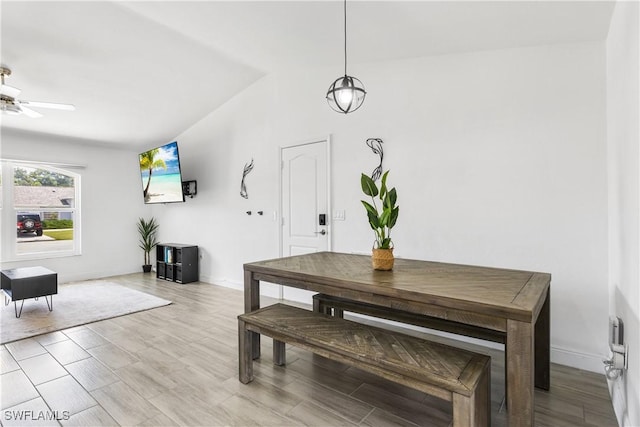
59, 234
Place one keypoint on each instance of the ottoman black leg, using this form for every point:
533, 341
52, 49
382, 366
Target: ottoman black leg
15, 307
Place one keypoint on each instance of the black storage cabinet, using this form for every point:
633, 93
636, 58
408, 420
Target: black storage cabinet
177, 263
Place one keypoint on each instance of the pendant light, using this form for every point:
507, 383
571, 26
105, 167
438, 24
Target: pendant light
346, 94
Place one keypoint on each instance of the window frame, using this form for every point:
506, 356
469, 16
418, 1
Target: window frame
9, 212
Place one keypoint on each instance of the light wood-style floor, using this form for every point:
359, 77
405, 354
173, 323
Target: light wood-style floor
177, 365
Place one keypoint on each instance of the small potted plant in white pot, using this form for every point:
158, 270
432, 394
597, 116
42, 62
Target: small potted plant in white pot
381, 219
148, 241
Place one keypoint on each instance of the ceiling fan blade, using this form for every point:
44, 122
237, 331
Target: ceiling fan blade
29, 112
9, 91
53, 105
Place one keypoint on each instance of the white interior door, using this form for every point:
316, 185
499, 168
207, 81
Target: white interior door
305, 204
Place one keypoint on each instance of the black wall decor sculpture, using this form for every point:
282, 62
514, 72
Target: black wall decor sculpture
376, 146
243, 188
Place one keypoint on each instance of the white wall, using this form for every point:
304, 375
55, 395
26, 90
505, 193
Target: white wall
214, 152
499, 159
623, 56
111, 203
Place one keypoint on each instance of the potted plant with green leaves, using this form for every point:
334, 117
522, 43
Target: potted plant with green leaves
381, 219
148, 241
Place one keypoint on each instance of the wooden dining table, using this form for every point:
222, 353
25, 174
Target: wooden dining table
512, 302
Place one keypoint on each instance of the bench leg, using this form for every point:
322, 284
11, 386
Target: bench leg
279, 353
316, 305
321, 307
244, 352
475, 410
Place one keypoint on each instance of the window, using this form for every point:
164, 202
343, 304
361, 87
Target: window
43, 201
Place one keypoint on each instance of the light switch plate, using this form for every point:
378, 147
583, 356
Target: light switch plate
339, 215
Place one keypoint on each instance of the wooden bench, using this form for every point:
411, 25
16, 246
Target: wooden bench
459, 376
336, 306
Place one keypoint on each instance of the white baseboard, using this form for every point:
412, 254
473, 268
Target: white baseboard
92, 275
266, 289
222, 282
575, 359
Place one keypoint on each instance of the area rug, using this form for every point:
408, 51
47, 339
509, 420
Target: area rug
74, 305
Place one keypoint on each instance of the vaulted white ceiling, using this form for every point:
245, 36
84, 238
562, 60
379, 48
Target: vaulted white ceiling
140, 73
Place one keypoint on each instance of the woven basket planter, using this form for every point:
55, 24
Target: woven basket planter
382, 259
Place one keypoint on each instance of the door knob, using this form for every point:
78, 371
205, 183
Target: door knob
323, 232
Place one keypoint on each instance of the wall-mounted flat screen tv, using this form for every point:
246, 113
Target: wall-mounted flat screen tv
161, 177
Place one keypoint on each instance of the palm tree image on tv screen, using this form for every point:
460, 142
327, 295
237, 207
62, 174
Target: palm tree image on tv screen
161, 177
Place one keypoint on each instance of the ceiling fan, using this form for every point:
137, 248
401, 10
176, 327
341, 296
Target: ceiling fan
10, 105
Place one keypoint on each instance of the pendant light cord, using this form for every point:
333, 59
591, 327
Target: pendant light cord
345, 37
347, 93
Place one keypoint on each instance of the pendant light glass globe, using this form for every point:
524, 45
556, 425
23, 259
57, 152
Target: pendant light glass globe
346, 94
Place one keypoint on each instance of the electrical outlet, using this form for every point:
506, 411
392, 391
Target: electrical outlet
618, 362
616, 332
